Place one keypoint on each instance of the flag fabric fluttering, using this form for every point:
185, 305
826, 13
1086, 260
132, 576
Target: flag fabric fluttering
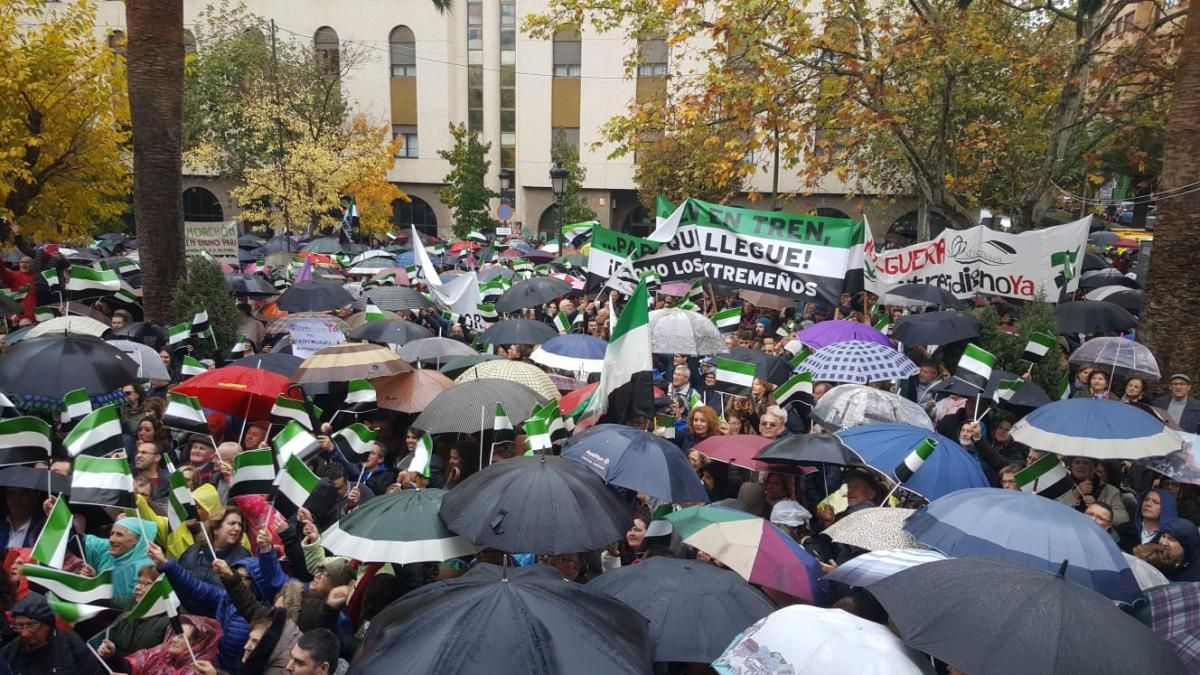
360, 396
626, 389
71, 587
51, 545
799, 387
422, 455
159, 599
294, 439
905, 470
355, 441
24, 440
191, 367
178, 334
1046, 477
1006, 389
373, 313
181, 505
287, 410
802, 353
87, 282
502, 427
562, 323
200, 324
76, 406
975, 366
1038, 346
97, 434
294, 484
733, 376
184, 413
728, 320
102, 481
75, 612
253, 473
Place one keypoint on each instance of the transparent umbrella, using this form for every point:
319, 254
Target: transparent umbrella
852, 405
1118, 356
681, 331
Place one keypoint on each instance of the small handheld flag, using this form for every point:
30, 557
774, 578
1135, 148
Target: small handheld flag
51, 545
905, 470
1046, 477
733, 376
728, 320
422, 456
355, 440
1038, 346
975, 366
502, 428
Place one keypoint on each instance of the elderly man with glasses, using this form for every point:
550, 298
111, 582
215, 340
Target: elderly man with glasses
39, 648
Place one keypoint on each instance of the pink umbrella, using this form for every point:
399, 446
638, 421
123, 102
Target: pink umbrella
400, 272
675, 290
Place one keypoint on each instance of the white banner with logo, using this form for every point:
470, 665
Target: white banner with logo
310, 336
982, 260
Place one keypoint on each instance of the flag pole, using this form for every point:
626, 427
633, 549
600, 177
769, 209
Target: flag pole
98, 657
482, 415
207, 540
183, 634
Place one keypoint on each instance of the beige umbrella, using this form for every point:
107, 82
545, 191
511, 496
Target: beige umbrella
410, 392
524, 373
80, 325
874, 529
350, 361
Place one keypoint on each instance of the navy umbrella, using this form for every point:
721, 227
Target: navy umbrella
517, 332
935, 328
637, 460
695, 609
493, 620
1096, 428
542, 504
990, 617
1028, 530
885, 446
531, 293
314, 296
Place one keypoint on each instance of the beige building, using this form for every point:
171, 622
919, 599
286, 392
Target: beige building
472, 64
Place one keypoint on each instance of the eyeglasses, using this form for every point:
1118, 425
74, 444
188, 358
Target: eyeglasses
768, 425
26, 626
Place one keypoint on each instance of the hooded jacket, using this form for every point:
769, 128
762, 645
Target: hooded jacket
1168, 513
273, 652
125, 566
267, 576
1188, 537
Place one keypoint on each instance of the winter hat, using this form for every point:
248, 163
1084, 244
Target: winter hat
34, 606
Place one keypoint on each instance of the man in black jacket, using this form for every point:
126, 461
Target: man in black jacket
40, 649
1181, 407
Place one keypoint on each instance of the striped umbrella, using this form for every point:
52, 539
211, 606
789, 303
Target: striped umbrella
350, 361
751, 546
858, 362
402, 527
434, 349
572, 353
873, 566
395, 298
1096, 428
514, 371
1175, 618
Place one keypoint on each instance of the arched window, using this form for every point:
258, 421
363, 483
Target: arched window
568, 53
403, 47
189, 42
828, 212
325, 40
202, 206
117, 41
418, 212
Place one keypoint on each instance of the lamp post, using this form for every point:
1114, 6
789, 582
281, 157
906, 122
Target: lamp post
506, 184
558, 183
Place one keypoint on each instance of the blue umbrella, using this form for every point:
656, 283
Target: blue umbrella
857, 362
637, 460
573, 353
1027, 530
884, 447
406, 259
1096, 428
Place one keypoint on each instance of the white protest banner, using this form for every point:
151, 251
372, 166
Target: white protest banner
983, 260
310, 336
460, 295
219, 240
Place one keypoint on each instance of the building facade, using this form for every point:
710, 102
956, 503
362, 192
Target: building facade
472, 64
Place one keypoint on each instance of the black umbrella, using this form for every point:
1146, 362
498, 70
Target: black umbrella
531, 293
460, 408
10, 306
390, 331
1103, 238
540, 504
52, 365
246, 256
281, 243
925, 293
767, 367
1128, 299
249, 286
517, 332
637, 460
1020, 621
325, 245
455, 366
1091, 261
1091, 316
809, 449
1110, 276
522, 620
276, 362
30, 478
935, 328
149, 334
392, 298
250, 241
1027, 397
314, 296
695, 609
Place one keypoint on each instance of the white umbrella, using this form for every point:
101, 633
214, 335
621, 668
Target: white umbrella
80, 325
150, 366
852, 405
805, 639
1118, 356
682, 331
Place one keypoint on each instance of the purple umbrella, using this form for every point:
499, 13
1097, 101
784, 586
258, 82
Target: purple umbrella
540, 256
826, 333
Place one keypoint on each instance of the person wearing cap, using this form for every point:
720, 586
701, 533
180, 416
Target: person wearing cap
1180, 406
201, 453
791, 517
39, 648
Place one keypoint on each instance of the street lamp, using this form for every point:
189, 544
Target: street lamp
558, 183
506, 183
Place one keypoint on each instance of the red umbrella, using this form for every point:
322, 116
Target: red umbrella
1125, 243
236, 390
569, 402
460, 245
740, 451
510, 253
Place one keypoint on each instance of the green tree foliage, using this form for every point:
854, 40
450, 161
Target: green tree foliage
466, 192
205, 287
1036, 316
575, 208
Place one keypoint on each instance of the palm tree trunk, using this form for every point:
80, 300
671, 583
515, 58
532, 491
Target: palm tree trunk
1173, 286
155, 66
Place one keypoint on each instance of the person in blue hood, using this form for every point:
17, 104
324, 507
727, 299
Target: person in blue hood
1156, 509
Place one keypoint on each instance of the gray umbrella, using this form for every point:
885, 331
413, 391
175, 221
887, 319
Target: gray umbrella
517, 332
1103, 238
464, 407
851, 405
1060, 626
150, 366
1118, 356
531, 293
392, 298
433, 349
680, 331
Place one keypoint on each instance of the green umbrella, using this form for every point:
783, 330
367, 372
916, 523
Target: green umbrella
402, 527
456, 366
